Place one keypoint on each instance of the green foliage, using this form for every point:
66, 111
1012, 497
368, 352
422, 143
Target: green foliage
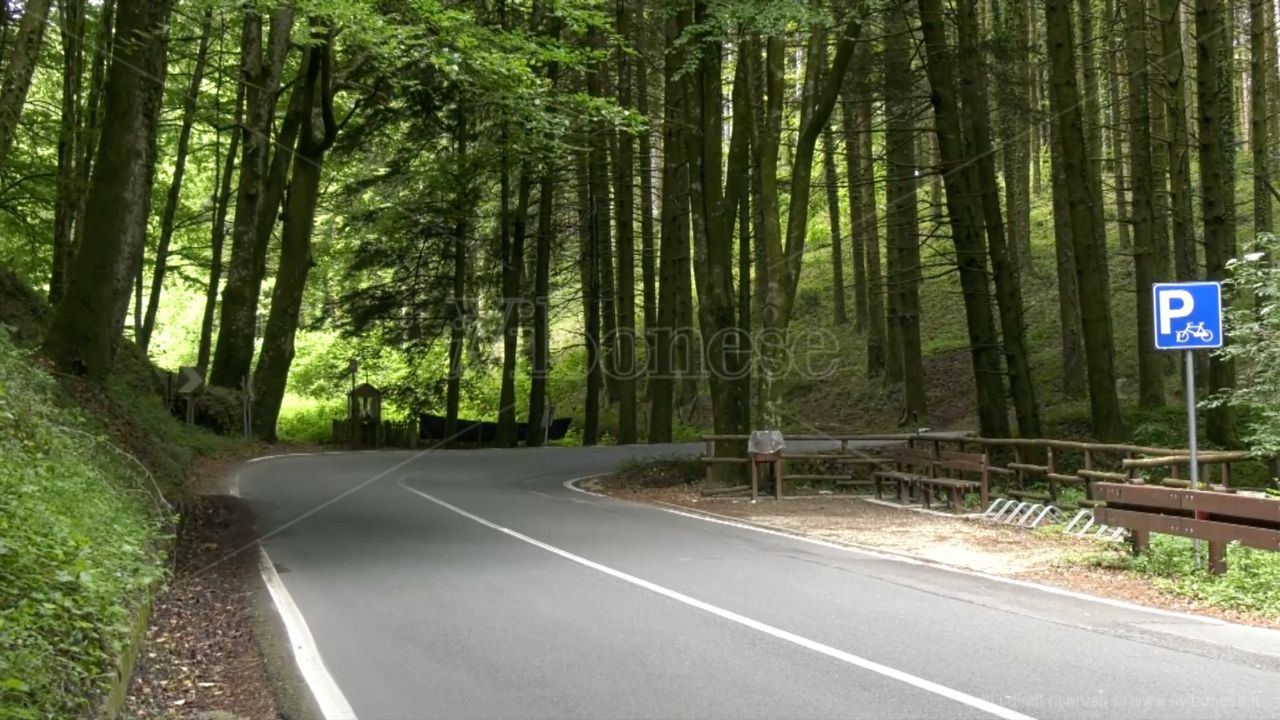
79, 523
1251, 583
1253, 327
307, 420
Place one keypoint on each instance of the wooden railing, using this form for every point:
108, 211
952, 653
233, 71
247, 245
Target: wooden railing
1033, 469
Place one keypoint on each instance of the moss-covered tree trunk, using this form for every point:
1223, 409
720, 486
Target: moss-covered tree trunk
87, 325
233, 352
316, 135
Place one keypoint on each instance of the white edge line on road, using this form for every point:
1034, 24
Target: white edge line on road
815, 646
333, 704
707, 516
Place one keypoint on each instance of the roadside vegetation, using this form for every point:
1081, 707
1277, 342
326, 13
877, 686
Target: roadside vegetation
1250, 584
83, 533
91, 485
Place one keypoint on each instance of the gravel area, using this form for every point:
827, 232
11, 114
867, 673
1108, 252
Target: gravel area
1038, 556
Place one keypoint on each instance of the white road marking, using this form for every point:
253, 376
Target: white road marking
333, 704
815, 646
708, 516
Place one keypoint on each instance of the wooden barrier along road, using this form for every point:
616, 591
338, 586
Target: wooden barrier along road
1215, 516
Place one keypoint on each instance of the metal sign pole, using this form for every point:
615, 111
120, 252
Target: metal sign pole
1189, 363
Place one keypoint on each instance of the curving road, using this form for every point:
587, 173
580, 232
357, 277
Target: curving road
474, 584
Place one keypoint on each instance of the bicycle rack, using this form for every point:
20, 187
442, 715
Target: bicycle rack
997, 508
1010, 511
1100, 531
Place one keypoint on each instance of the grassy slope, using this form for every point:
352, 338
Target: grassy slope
88, 489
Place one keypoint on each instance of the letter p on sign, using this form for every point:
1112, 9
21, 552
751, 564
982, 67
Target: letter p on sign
1173, 304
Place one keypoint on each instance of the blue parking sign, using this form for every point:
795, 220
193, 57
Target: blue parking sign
1188, 315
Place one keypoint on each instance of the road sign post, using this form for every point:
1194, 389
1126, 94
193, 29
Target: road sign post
190, 381
1188, 317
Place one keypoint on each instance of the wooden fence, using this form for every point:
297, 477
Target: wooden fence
1030, 469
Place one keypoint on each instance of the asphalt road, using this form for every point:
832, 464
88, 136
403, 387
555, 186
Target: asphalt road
474, 584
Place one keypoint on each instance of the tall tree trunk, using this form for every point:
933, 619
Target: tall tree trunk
315, 137
92, 118
863, 222
87, 325
901, 208
1016, 130
218, 236
68, 192
832, 177
1150, 366
752, 50
1004, 264
624, 212
965, 210
18, 71
458, 301
233, 352
1088, 240
1074, 381
1090, 88
648, 248
541, 321
1185, 265
1039, 125
175, 187
820, 95
737, 205
1217, 198
857, 242
745, 245
1118, 145
512, 303
674, 234
712, 220
1259, 142
588, 260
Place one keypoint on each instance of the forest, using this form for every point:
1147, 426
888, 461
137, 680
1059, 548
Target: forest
658, 217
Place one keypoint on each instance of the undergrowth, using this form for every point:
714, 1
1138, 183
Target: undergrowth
82, 539
1251, 582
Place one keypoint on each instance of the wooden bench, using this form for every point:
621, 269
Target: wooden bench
957, 473
910, 466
